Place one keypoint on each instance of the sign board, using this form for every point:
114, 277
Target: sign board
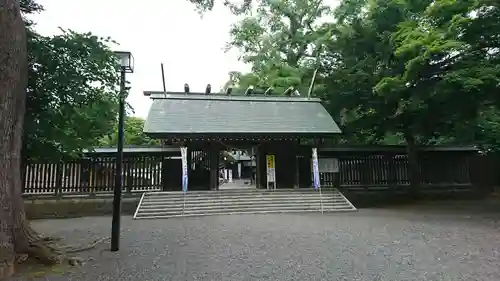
271, 171
270, 161
315, 165
328, 165
184, 169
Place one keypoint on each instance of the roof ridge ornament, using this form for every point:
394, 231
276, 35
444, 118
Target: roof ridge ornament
288, 92
269, 91
311, 86
249, 91
163, 81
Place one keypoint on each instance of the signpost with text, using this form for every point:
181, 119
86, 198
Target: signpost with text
271, 172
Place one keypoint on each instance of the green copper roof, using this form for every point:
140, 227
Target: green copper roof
180, 114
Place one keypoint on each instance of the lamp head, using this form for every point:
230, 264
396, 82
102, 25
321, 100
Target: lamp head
126, 61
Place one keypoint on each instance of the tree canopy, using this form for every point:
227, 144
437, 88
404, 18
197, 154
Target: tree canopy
390, 71
421, 74
72, 95
235, 6
133, 134
282, 40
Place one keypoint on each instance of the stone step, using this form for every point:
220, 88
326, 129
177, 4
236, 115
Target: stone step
237, 191
147, 205
228, 195
240, 205
235, 195
243, 210
244, 205
235, 198
174, 204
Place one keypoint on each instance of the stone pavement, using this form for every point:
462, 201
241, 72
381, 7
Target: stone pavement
237, 184
386, 245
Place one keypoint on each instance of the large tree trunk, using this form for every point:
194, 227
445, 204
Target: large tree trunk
14, 234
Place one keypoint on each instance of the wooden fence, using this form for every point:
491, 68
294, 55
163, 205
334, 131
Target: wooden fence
386, 168
360, 169
96, 175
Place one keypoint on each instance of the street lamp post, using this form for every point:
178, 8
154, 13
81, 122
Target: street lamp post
126, 66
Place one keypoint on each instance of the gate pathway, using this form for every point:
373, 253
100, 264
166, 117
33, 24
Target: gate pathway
238, 184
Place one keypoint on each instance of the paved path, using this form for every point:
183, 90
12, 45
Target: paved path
367, 245
238, 184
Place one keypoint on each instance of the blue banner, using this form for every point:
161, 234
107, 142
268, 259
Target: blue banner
184, 169
316, 182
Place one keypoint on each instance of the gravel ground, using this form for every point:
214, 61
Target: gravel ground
366, 245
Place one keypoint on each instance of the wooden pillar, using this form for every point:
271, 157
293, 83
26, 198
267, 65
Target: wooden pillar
262, 168
366, 179
392, 177
281, 165
213, 153
305, 175
258, 174
189, 158
295, 159
290, 155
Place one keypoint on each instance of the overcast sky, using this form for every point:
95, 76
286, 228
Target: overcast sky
155, 31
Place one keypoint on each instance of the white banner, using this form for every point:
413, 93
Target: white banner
184, 169
316, 182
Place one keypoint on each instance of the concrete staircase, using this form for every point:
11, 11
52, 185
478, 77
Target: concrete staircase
250, 201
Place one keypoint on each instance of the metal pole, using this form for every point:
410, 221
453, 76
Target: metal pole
117, 195
321, 199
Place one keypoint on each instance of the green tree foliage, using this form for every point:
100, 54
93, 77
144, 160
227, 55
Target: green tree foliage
134, 135
237, 7
487, 131
393, 71
422, 69
72, 92
413, 67
282, 40
30, 6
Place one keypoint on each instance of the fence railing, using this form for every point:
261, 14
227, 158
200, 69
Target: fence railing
92, 175
438, 171
358, 170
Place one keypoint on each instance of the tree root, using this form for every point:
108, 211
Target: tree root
45, 250
83, 248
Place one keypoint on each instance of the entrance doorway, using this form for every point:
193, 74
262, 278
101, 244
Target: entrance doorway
239, 171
